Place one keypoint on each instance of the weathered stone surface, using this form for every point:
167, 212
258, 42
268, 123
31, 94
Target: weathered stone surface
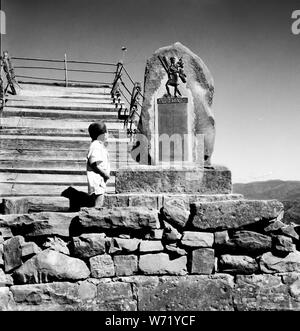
199, 88
50, 266
89, 245
248, 242
126, 265
5, 280
120, 245
188, 293
156, 234
273, 264
221, 237
151, 246
160, 264
6, 300
197, 239
113, 200
170, 234
155, 179
274, 226
29, 249
263, 293
144, 200
5, 232
222, 215
57, 244
13, 253
15, 206
283, 244
134, 218
102, 266
175, 212
173, 249
289, 231
1, 240
39, 224
203, 261
238, 264
1, 256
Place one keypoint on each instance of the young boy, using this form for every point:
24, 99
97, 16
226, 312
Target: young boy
98, 167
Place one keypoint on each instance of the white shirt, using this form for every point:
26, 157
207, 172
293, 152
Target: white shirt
97, 153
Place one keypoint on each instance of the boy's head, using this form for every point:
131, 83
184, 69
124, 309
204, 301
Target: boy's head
97, 129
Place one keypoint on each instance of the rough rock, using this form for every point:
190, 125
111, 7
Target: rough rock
221, 237
5, 231
1, 256
126, 265
39, 224
175, 212
5, 280
13, 253
233, 214
156, 234
161, 264
151, 246
289, 231
149, 201
29, 249
175, 250
170, 234
283, 244
263, 293
203, 261
129, 218
248, 242
57, 244
270, 263
120, 245
102, 266
274, 226
185, 180
89, 245
197, 239
6, 300
199, 88
50, 266
188, 293
238, 264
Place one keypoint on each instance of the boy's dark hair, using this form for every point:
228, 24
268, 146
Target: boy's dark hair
96, 129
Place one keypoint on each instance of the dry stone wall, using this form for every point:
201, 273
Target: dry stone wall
213, 254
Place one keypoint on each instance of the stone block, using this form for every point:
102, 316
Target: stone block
238, 264
197, 239
102, 266
282, 244
57, 244
170, 234
125, 265
6, 300
233, 214
147, 246
144, 200
202, 261
157, 179
120, 245
155, 234
13, 253
89, 245
115, 200
5, 231
5, 280
161, 264
175, 212
271, 264
173, 249
221, 237
29, 249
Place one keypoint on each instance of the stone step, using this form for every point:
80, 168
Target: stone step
43, 189
48, 89
63, 96
61, 105
45, 154
86, 115
56, 122
48, 142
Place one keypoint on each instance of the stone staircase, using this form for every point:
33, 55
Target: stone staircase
44, 138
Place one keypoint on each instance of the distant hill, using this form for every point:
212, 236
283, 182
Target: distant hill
288, 192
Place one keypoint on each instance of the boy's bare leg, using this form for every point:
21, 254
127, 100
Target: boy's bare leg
99, 200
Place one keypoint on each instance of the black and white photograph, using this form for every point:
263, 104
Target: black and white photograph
149, 158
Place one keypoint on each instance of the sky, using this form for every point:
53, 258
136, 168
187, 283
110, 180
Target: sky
248, 46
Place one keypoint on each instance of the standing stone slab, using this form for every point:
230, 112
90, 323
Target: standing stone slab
197, 239
102, 266
13, 253
126, 265
270, 263
161, 264
188, 293
238, 264
223, 215
89, 245
203, 261
133, 218
50, 266
157, 179
263, 293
